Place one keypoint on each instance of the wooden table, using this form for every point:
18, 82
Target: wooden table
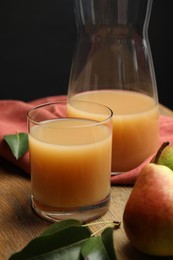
19, 224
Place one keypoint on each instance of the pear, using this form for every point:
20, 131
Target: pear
148, 213
164, 155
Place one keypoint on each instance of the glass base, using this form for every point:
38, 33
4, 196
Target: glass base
117, 173
84, 214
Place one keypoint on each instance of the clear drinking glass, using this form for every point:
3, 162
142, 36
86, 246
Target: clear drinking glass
113, 65
70, 160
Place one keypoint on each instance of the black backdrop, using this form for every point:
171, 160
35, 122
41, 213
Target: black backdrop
37, 39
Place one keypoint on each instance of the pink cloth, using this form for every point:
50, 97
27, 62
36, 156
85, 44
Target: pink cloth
13, 115
13, 119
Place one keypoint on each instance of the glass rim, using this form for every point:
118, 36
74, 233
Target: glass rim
95, 122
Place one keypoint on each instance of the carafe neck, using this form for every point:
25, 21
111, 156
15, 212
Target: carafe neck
120, 16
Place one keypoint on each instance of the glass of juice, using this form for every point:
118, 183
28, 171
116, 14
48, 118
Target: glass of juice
112, 65
70, 160
135, 125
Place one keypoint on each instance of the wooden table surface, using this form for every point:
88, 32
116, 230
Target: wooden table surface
19, 224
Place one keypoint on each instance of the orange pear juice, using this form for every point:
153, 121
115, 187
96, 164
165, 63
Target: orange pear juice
70, 162
135, 125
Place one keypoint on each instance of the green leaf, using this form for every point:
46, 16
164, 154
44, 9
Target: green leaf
71, 252
69, 239
61, 235
107, 238
18, 144
93, 249
97, 248
63, 224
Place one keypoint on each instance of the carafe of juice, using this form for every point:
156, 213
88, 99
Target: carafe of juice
113, 65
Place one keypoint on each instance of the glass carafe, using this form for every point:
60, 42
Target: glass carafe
112, 64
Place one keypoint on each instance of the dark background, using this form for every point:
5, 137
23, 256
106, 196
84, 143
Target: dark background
37, 39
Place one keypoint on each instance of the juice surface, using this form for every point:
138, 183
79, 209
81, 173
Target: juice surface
135, 125
70, 165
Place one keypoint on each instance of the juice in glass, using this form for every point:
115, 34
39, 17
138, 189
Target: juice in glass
135, 125
70, 167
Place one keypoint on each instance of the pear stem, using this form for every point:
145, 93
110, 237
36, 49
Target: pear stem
160, 151
113, 224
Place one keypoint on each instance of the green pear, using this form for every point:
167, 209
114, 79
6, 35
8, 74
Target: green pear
165, 155
148, 213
